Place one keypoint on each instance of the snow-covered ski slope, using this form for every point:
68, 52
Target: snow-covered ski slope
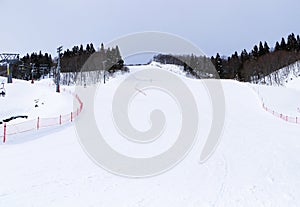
256, 163
33, 100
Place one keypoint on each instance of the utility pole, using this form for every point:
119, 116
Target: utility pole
104, 71
32, 70
9, 74
58, 70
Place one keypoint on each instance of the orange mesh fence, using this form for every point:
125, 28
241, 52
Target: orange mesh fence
21, 127
290, 119
36, 124
48, 122
287, 118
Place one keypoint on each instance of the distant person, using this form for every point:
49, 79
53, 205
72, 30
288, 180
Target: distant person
2, 90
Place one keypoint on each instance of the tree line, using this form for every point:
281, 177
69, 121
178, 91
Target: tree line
247, 66
194, 66
33, 66
87, 66
260, 61
75, 60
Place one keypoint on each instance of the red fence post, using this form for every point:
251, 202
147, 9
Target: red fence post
60, 120
38, 123
71, 116
4, 135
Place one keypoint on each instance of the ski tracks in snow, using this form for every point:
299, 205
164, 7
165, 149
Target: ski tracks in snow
223, 184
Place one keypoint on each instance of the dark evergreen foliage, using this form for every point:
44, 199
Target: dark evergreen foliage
106, 59
33, 66
248, 66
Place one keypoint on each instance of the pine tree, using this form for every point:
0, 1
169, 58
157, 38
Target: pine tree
266, 48
277, 46
241, 72
109, 59
88, 49
81, 50
291, 43
219, 65
102, 50
235, 64
255, 53
193, 62
283, 44
118, 54
244, 56
75, 50
92, 49
298, 43
261, 50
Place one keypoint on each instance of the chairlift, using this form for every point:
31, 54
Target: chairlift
2, 90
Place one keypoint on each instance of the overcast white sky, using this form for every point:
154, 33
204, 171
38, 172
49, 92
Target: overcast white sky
214, 26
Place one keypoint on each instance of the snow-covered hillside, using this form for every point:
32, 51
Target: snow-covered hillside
256, 163
284, 99
283, 76
33, 100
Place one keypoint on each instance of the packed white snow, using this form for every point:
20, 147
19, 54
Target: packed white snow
22, 98
257, 162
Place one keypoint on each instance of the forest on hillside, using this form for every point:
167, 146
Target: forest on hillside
75, 60
247, 66
38, 65
86, 66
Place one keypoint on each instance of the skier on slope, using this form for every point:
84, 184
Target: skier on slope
2, 90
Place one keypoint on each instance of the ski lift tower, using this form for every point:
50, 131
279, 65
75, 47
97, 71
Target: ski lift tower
58, 70
8, 59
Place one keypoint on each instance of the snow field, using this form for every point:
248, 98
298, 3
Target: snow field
256, 163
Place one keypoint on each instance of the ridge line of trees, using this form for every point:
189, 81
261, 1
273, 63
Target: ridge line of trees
87, 66
260, 62
35, 65
246, 66
75, 60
